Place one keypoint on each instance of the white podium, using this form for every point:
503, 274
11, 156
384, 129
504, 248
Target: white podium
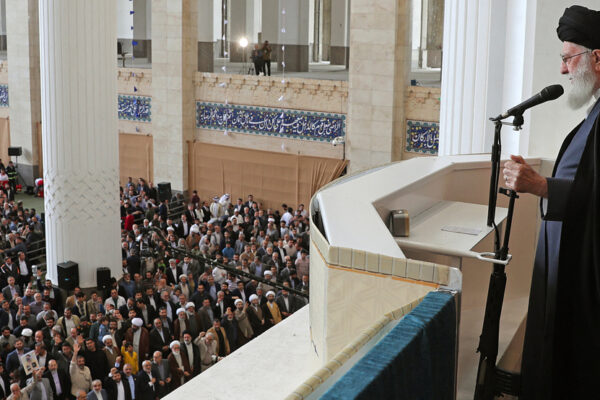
449, 231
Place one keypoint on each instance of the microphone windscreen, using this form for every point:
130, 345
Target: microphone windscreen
552, 92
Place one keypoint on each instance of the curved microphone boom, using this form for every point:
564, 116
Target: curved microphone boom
551, 92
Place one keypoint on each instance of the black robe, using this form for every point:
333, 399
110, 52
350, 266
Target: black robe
561, 357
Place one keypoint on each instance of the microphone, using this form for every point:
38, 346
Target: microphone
551, 92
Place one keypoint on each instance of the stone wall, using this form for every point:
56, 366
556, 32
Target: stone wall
3, 81
319, 96
322, 96
134, 82
422, 105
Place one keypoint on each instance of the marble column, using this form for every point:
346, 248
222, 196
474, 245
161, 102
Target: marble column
376, 119
174, 64
125, 24
24, 84
485, 70
326, 27
206, 37
244, 22
435, 33
286, 23
80, 144
2, 25
142, 29
340, 16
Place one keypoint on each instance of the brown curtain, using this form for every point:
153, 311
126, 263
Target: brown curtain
273, 178
4, 140
135, 157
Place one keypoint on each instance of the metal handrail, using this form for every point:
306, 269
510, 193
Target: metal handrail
237, 272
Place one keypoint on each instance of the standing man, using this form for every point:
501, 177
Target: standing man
561, 350
146, 382
266, 50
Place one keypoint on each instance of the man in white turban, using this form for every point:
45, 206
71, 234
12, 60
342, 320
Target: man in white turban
179, 365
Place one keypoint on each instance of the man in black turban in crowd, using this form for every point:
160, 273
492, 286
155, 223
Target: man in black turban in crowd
561, 355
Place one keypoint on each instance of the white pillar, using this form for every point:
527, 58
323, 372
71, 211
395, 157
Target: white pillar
495, 56
289, 29
80, 144
24, 84
340, 15
206, 33
245, 18
142, 28
174, 64
124, 19
376, 115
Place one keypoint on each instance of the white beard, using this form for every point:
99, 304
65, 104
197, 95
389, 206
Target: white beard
583, 81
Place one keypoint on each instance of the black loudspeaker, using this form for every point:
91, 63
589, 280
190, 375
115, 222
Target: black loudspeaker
103, 277
68, 275
164, 191
15, 151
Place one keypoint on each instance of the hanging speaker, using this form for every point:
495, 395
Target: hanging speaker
15, 151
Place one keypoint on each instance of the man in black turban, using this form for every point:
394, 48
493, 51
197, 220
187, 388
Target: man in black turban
561, 355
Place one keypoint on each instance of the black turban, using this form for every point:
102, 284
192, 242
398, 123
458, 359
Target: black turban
581, 26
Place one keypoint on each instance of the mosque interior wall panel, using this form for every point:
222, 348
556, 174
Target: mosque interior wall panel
4, 72
135, 157
273, 178
4, 139
422, 108
326, 96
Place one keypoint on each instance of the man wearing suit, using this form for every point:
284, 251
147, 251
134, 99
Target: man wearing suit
8, 316
60, 383
287, 303
8, 269
24, 268
54, 293
115, 387
38, 389
240, 292
12, 289
160, 369
166, 302
146, 383
4, 383
172, 272
97, 392
12, 359
221, 305
160, 337
129, 379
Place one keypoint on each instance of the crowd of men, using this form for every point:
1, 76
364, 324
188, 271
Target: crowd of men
176, 310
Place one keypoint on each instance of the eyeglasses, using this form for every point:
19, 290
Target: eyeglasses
565, 59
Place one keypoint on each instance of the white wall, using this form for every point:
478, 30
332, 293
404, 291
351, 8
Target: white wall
142, 19
416, 23
339, 22
2, 17
209, 20
124, 19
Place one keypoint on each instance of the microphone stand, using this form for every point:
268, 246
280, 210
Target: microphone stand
492, 381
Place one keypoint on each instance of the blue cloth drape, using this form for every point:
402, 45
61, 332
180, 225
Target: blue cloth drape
415, 360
